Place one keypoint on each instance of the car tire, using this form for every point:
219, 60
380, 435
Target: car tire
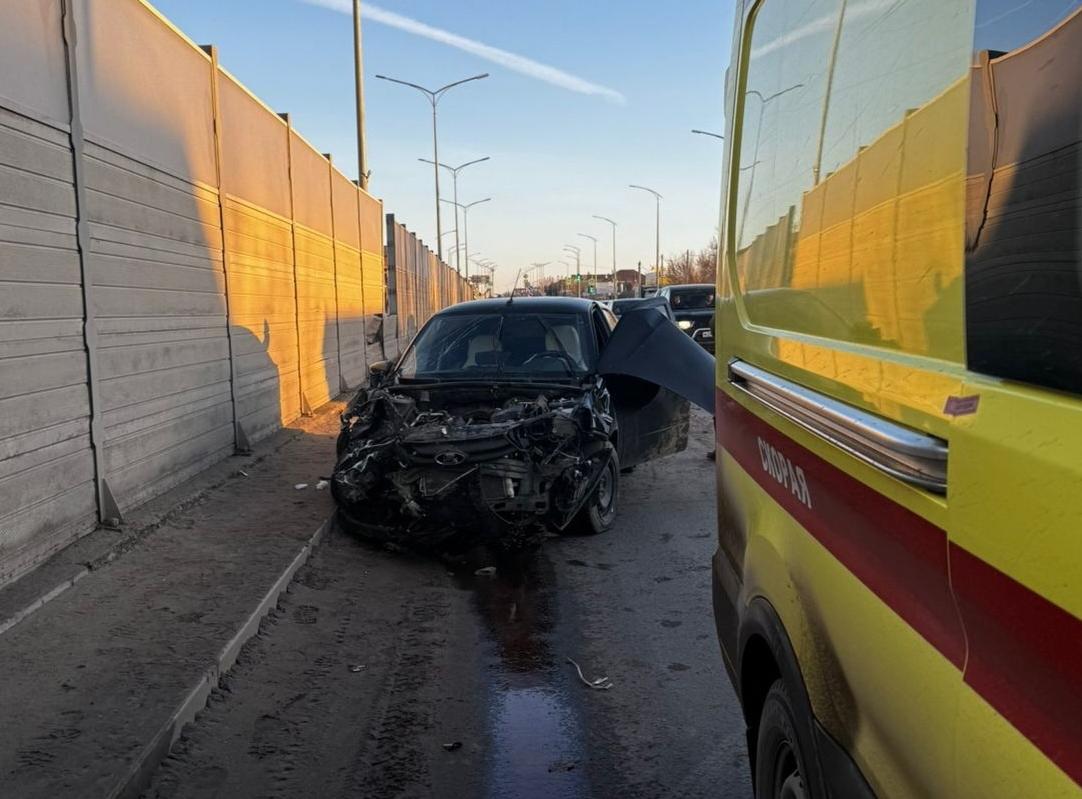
599, 512
781, 765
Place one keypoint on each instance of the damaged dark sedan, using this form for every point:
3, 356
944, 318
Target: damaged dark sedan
504, 419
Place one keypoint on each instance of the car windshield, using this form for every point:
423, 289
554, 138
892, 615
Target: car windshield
692, 299
524, 345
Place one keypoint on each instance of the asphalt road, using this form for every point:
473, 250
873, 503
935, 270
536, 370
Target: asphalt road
383, 675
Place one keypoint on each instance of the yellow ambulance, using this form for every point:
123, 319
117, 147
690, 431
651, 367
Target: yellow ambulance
898, 581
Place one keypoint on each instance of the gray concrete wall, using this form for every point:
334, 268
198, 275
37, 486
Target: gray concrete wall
47, 489
181, 273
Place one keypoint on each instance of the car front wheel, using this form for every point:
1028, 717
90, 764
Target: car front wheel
779, 761
599, 512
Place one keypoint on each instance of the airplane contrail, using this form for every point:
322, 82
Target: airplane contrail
512, 61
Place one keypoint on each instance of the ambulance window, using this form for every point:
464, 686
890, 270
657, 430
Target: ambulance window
1024, 194
850, 198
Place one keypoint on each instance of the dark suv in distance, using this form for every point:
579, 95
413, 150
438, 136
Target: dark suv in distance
693, 310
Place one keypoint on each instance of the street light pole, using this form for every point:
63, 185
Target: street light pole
613, 223
540, 267
434, 97
594, 240
578, 264
466, 224
657, 231
708, 133
358, 85
568, 264
454, 170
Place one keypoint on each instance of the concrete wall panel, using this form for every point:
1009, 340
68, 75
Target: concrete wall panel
34, 78
310, 174
263, 317
316, 316
144, 88
255, 149
46, 466
347, 257
155, 255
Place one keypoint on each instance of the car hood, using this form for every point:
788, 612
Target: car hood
648, 346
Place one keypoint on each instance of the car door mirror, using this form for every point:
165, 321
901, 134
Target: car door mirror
377, 372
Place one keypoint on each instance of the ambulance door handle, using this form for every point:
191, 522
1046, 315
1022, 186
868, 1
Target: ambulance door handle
911, 456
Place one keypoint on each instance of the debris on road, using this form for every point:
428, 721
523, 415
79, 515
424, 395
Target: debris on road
322, 484
486, 571
357, 668
453, 746
599, 684
301, 486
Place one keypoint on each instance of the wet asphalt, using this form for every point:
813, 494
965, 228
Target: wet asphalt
387, 675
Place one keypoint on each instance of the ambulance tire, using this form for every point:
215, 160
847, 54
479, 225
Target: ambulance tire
781, 766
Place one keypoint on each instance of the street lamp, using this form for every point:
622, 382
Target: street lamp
578, 264
568, 264
708, 133
454, 170
466, 224
434, 97
613, 223
657, 231
594, 240
358, 87
540, 267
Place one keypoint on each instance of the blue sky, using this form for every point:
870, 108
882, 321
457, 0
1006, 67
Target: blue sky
558, 155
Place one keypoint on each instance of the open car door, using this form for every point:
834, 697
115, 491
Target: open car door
653, 370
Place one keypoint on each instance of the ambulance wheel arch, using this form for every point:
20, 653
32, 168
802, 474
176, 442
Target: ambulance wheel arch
765, 657
767, 661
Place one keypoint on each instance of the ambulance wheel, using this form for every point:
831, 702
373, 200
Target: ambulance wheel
780, 764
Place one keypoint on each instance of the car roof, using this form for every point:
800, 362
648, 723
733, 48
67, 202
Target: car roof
499, 305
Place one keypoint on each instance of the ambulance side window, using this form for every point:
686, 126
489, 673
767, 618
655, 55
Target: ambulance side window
850, 192
1023, 273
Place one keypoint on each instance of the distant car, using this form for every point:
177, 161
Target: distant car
692, 306
504, 418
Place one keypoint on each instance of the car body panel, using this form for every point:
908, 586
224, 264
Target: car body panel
646, 345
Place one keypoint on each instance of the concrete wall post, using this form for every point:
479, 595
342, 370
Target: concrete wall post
108, 511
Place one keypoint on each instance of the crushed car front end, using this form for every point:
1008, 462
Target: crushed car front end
446, 465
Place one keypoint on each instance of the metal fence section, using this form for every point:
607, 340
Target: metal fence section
181, 273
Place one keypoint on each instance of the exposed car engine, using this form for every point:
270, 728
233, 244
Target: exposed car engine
448, 466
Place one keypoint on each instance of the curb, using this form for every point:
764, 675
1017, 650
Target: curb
42, 600
139, 774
